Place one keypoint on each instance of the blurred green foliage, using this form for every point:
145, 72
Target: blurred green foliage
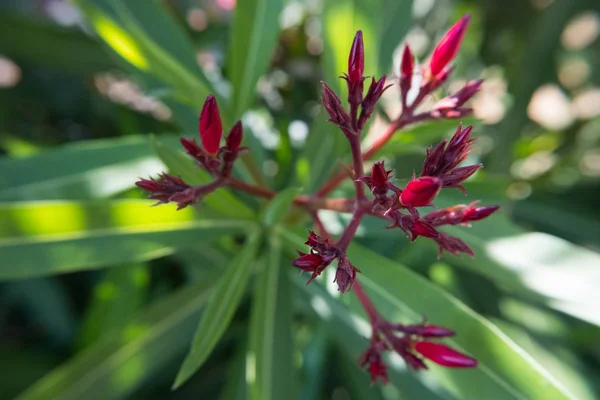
105, 297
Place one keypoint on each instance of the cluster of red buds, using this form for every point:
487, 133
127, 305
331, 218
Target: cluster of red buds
414, 345
398, 205
322, 253
442, 168
213, 158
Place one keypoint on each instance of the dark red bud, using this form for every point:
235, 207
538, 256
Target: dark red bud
356, 60
467, 92
378, 370
479, 213
444, 355
373, 95
345, 278
168, 188
407, 66
191, 147
420, 192
379, 175
459, 175
406, 72
210, 126
307, 262
333, 106
436, 331
313, 239
448, 46
452, 245
422, 228
234, 139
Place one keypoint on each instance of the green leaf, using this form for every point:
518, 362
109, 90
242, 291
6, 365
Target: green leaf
505, 371
89, 169
220, 200
396, 20
220, 309
270, 373
43, 238
279, 206
116, 299
253, 42
514, 259
129, 29
49, 44
121, 362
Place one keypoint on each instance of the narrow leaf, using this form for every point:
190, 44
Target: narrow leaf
43, 238
89, 169
121, 362
219, 312
253, 41
117, 297
270, 371
277, 208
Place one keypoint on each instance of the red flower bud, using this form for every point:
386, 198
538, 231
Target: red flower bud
459, 175
307, 262
478, 213
356, 60
448, 46
368, 104
422, 228
420, 192
345, 275
452, 245
168, 188
406, 72
234, 139
210, 125
436, 331
191, 147
333, 106
425, 330
444, 355
458, 99
378, 370
407, 66
378, 181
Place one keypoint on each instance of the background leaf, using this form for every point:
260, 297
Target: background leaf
254, 34
43, 238
270, 372
113, 367
219, 312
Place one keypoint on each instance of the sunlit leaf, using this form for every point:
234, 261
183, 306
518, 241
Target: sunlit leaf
80, 170
43, 238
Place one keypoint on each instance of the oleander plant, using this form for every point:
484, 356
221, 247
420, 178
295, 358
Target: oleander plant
297, 200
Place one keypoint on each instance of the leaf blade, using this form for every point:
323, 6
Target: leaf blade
271, 345
219, 312
43, 238
110, 369
253, 41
